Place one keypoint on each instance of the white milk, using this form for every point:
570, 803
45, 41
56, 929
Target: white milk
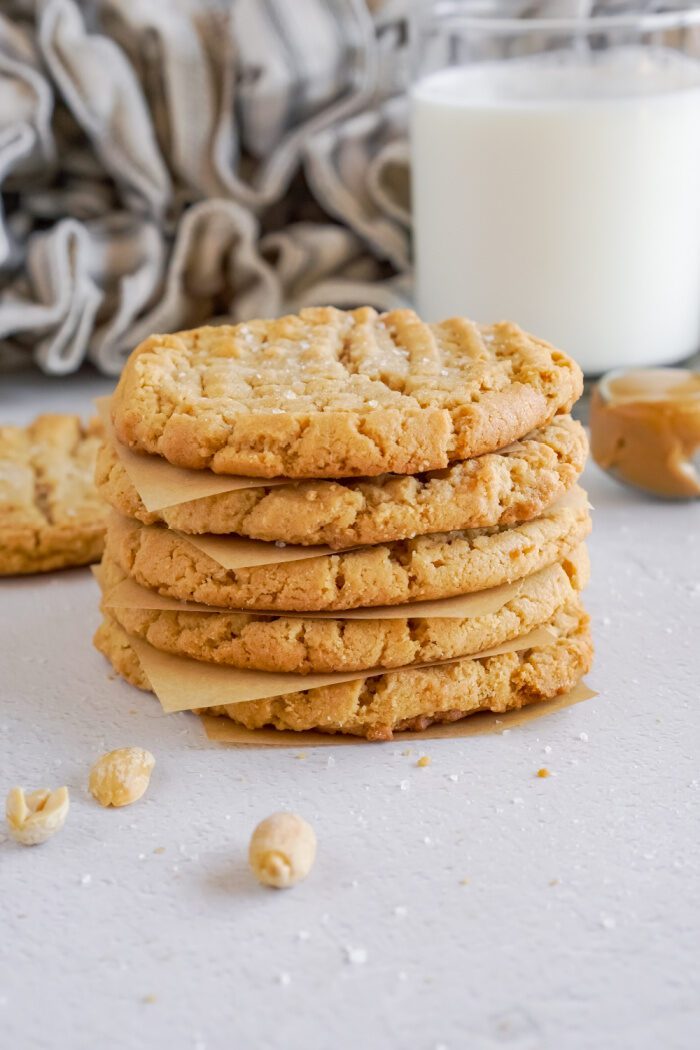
564, 193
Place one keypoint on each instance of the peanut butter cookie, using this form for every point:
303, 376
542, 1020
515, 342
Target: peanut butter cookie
331, 394
497, 488
426, 567
51, 515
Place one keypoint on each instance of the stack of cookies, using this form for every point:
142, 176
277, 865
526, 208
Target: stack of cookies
412, 489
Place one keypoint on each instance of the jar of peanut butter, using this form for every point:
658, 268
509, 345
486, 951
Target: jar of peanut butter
645, 430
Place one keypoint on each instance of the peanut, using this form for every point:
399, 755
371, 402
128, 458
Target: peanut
282, 850
122, 776
34, 818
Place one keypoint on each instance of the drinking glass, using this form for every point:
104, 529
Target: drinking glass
556, 175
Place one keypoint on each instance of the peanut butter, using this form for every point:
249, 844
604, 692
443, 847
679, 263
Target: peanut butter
645, 429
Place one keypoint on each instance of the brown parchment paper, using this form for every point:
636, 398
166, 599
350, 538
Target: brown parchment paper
231, 552
183, 684
130, 595
159, 484
224, 731
236, 552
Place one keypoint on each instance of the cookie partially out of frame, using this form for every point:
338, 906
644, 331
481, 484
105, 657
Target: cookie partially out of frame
427, 567
301, 646
51, 515
409, 699
497, 488
330, 393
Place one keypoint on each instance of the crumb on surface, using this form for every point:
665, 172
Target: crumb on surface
543, 772
423, 761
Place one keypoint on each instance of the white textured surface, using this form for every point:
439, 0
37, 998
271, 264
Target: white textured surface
580, 922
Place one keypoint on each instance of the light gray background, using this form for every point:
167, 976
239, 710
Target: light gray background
579, 925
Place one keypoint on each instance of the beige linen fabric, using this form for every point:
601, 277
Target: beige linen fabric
166, 164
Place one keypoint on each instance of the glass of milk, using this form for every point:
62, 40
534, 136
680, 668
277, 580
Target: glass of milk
556, 176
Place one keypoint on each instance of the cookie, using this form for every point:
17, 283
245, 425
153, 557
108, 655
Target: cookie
51, 515
427, 567
498, 488
302, 646
332, 394
409, 699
